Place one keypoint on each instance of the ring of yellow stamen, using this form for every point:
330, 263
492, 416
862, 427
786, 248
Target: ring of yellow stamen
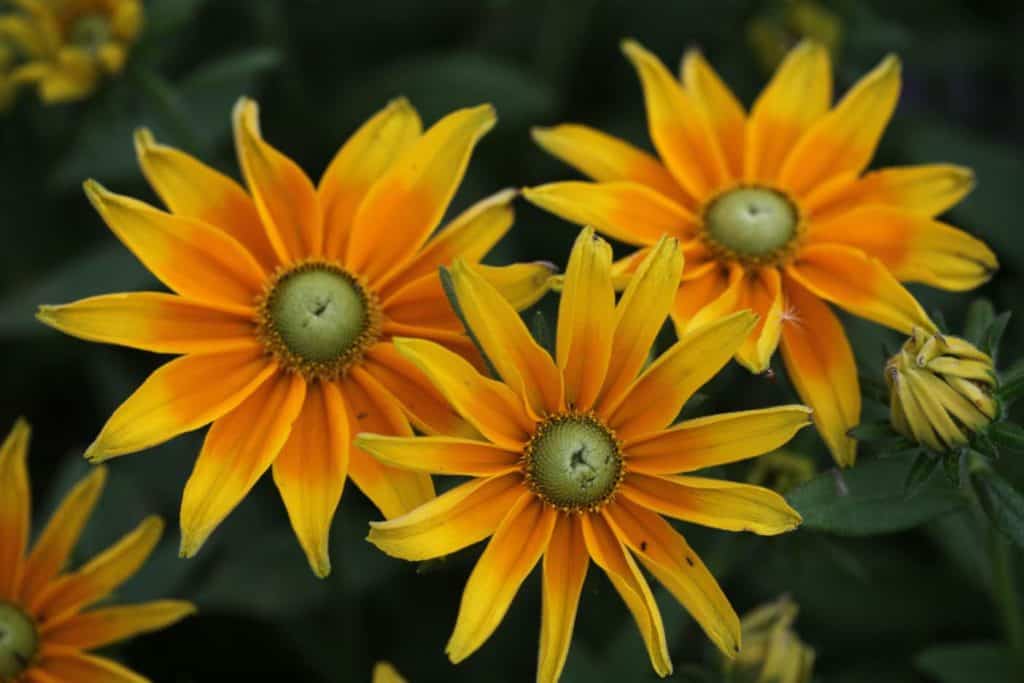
573, 462
318, 319
751, 224
19, 641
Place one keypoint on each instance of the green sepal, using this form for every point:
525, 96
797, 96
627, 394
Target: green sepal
1011, 384
939, 318
952, 465
994, 335
920, 472
1007, 435
980, 315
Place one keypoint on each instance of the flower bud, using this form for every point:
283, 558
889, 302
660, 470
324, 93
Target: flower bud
772, 652
940, 390
781, 471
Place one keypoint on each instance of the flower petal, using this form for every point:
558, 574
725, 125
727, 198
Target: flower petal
729, 299
454, 520
799, 94
853, 280
821, 366
928, 189
606, 550
285, 198
586, 316
564, 569
762, 294
70, 664
723, 111
372, 409
488, 405
709, 502
678, 127
108, 625
194, 259
519, 359
421, 302
153, 321
239, 448
179, 397
509, 558
667, 556
15, 507
656, 397
697, 293
440, 454
405, 205
311, 468
456, 341
384, 672
192, 189
912, 246
844, 140
521, 284
361, 161
626, 211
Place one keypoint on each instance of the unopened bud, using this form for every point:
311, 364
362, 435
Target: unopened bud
772, 652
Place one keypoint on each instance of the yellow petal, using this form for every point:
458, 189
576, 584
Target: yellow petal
153, 321
709, 502
799, 94
586, 315
607, 551
405, 205
723, 111
509, 558
239, 448
928, 189
521, 284
456, 341
702, 286
179, 397
421, 302
194, 259
667, 556
679, 127
454, 520
844, 140
311, 468
15, 507
564, 569
730, 292
361, 161
821, 366
715, 440
383, 672
108, 625
70, 664
285, 198
440, 454
762, 294
626, 211
192, 189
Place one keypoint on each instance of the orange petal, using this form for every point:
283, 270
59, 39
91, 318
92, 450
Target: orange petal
723, 111
108, 625
441, 454
696, 293
799, 94
192, 258
821, 366
679, 127
180, 397
153, 321
311, 468
762, 294
15, 508
372, 409
361, 161
285, 198
192, 189
69, 664
406, 204
520, 284
239, 448
421, 302
509, 558
844, 140
457, 341
730, 298
564, 569
928, 189
848, 277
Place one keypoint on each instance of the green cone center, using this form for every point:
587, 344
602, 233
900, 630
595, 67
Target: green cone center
90, 32
319, 313
574, 462
18, 641
751, 221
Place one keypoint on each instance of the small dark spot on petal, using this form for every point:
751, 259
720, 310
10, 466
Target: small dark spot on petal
362, 416
689, 561
643, 545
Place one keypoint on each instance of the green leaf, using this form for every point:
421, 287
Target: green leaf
952, 465
939, 318
980, 315
1003, 504
166, 17
1007, 435
871, 431
920, 472
1011, 384
871, 499
967, 663
994, 335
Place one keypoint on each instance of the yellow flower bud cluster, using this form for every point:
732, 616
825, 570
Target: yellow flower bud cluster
772, 652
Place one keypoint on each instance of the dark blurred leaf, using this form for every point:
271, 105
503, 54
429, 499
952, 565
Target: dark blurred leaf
994, 335
967, 663
920, 471
1011, 384
980, 315
165, 17
1007, 435
1003, 504
871, 431
953, 465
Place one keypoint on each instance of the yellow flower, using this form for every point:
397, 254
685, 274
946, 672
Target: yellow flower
577, 460
782, 471
774, 214
284, 308
69, 45
45, 630
772, 651
941, 390
383, 672
773, 33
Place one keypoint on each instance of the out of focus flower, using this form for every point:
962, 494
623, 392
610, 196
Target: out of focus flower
66, 47
46, 624
775, 214
940, 390
7, 85
781, 471
776, 31
383, 672
772, 652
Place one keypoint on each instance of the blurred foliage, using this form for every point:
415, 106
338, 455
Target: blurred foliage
891, 586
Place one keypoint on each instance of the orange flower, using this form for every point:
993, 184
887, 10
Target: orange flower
775, 214
285, 304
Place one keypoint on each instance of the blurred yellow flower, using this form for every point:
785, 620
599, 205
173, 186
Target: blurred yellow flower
286, 300
45, 630
782, 471
775, 215
383, 672
576, 459
775, 32
66, 46
772, 652
941, 390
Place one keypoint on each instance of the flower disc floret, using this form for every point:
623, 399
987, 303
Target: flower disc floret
755, 224
19, 641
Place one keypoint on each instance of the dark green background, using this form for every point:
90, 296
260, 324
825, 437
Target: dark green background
890, 607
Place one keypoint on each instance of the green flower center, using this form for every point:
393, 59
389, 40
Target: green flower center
90, 32
573, 462
18, 641
752, 222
